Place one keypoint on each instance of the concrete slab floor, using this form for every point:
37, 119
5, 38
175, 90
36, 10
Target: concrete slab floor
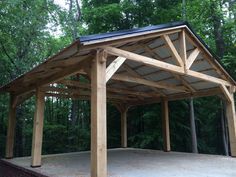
131, 162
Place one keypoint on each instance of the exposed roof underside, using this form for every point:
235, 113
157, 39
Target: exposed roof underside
149, 42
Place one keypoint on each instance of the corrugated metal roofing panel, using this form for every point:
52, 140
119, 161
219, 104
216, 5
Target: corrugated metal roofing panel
156, 43
190, 79
203, 85
160, 76
163, 52
146, 70
198, 66
212, 73
142, 88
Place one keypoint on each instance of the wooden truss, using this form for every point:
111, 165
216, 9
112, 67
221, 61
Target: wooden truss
109, 75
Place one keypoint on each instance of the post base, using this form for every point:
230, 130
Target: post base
8, 157
35, 166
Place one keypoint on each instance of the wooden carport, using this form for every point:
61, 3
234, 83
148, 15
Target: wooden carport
126, 68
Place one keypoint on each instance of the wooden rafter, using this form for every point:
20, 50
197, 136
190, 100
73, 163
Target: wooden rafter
208, 57
114, 66
185, 83
56, 65
150, 51
165, 66
80, 92
72, 70
109, 89
144, 60
21, 98
192, 57
183, 54
226, 93
180, 96
182, 47
206, 77
173, 50
136, 74
138, 80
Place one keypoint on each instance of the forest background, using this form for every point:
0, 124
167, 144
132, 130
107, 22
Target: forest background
31, 31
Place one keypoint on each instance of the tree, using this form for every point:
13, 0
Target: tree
193, 127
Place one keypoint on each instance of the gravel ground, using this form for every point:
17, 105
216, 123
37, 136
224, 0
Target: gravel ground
136, 163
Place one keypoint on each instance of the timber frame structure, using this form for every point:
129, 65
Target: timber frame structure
126, 68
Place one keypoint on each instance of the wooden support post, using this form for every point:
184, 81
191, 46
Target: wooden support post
165, 125
11, 128
98, 117
123, 113
38, 129
231, 119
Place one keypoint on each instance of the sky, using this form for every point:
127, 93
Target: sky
61, 3
57, 30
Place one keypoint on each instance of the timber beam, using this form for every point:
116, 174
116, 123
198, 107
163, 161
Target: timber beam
11, 128
226, 93
84, 90
123, 109
181, 96
163, 65
192, 57
113, 67
126, 78
69, 71
98, 117
173, 50
231, 120
38, 129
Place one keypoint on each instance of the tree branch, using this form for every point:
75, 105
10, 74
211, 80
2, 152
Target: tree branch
11, 59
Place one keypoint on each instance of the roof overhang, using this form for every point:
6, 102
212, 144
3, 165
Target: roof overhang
159, 44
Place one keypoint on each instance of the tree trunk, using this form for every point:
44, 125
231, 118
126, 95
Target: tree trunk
74, 18
19, 132
224, 130
73, 23
75, 106
193, 127
217, 29
231, 9
74, 112
184, 17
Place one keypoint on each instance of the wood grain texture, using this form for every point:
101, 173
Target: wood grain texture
38, 129
231, 119
98, 117
11, 128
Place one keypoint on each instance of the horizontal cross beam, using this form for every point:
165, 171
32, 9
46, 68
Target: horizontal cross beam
126, 78
165, 66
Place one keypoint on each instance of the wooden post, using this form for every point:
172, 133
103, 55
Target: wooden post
231, 119
124, 127
165, 125
98, 116
38, 129
11, 128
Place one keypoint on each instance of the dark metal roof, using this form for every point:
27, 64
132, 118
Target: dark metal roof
95, 37
138, 31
